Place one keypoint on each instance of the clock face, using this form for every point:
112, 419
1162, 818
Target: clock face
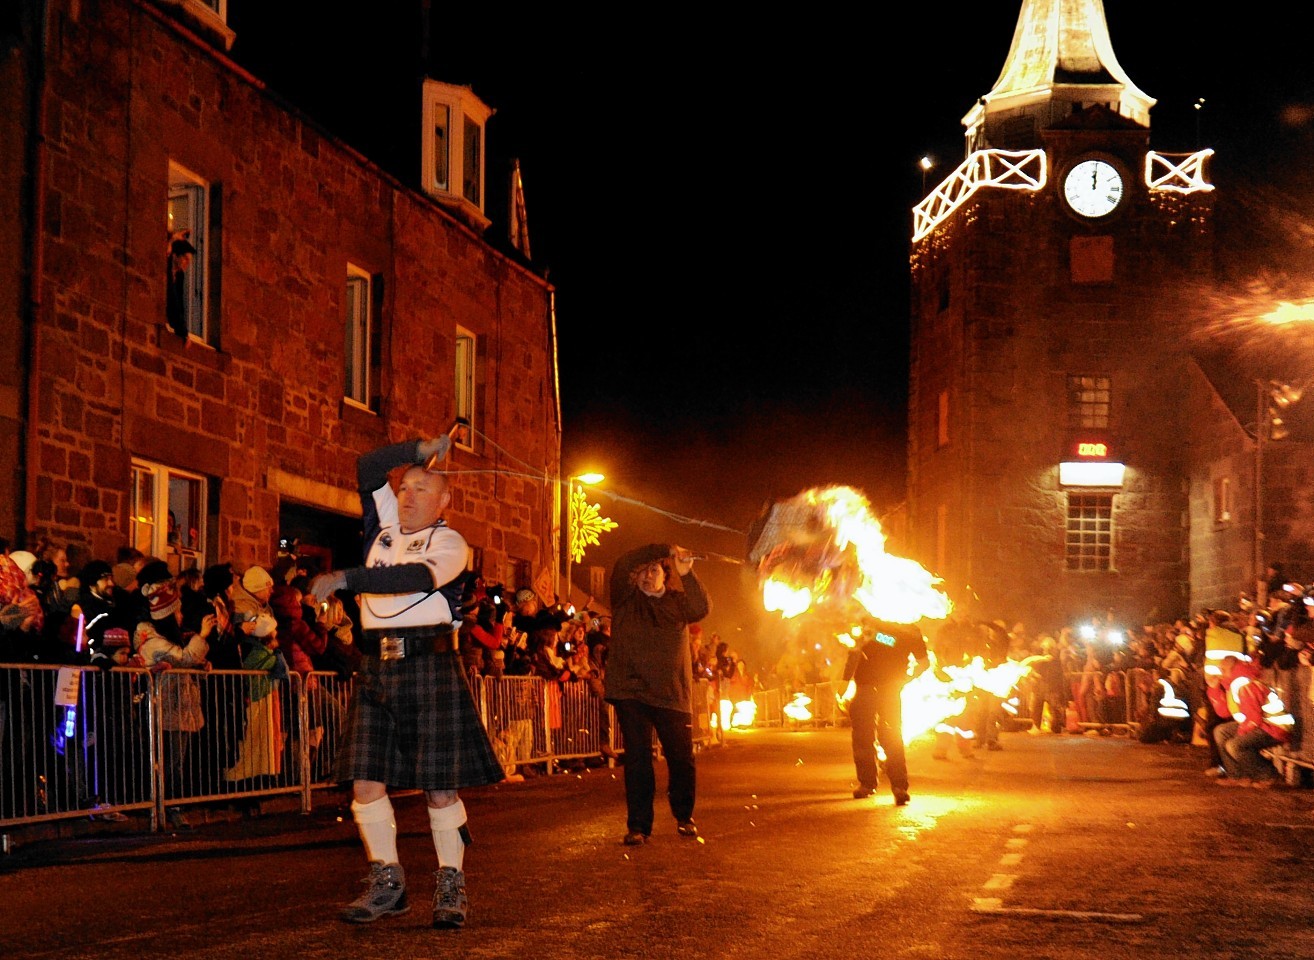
1093, 188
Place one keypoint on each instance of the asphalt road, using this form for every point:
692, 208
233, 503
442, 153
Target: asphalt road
1057, 846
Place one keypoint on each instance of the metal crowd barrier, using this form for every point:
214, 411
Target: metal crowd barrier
93, 743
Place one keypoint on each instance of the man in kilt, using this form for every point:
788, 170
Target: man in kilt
413, 724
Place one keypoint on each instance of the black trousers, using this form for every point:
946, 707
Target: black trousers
674, 729
876, 712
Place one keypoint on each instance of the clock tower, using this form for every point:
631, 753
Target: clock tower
1050, 276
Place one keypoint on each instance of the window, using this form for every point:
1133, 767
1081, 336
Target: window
211, 16
1222, 499
452, 148
941, 536
1088, 402
168, 514
218, 7
520, 578
442, 162
187, 280
359, 337
1089, 541
472, 164
465, 386
942, 421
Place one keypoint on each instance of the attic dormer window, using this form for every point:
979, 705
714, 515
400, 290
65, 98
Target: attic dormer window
452, 162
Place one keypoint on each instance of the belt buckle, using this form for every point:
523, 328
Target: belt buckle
392, 648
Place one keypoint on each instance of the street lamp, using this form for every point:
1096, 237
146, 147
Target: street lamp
575, 520
1272, 400
926, 163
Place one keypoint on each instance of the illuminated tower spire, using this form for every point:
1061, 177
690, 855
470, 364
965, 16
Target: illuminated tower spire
1061, 62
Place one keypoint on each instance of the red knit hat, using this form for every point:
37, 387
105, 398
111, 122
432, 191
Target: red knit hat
160, 589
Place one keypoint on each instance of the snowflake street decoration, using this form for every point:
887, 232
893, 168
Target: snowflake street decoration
585, 524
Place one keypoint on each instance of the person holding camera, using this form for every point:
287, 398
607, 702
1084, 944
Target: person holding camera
655, 595
413, 724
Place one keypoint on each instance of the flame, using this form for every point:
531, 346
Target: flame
929, 702
797, 709
737, 716
745, 714
824, 549
1288, 312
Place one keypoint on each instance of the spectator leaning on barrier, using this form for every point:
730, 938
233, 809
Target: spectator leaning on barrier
1259, 721
21, 616
158, 643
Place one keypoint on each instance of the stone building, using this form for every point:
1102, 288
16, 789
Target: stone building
329, 305
1068, 444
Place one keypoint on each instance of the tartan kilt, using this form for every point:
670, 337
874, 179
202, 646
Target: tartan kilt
413, 725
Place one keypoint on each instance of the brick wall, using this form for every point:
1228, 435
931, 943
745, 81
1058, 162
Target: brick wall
128, 93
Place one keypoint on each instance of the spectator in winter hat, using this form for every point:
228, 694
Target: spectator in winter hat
217, 578
100, 614
159, 643
251, 594
21, 616
25, 560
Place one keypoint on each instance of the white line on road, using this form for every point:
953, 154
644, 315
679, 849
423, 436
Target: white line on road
994, 907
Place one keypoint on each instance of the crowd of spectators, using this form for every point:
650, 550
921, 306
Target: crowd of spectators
1163, 681
59, 606
134, 610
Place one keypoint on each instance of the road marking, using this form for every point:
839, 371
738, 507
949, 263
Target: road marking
995, 907
1016, 843
1010, 860
1022, 828
999, 881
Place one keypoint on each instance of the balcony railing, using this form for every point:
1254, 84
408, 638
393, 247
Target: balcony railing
1028, 170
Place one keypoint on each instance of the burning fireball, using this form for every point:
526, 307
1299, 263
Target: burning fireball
823, 551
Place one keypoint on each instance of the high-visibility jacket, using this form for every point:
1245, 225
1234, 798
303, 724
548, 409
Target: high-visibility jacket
1252, 703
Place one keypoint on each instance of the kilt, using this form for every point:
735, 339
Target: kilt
413, 725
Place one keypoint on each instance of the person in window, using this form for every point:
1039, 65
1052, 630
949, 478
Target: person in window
181, 252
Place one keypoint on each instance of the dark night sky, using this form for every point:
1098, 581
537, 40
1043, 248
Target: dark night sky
724, 204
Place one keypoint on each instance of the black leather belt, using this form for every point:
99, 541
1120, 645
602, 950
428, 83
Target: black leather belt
406, 642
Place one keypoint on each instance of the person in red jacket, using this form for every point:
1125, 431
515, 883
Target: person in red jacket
1260, 720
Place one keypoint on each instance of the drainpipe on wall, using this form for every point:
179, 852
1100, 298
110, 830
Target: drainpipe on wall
34, 265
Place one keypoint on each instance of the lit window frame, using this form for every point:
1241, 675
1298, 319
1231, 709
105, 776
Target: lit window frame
189, 188
1089, 401
1088, 539
156, 480
357, 372
465, 368
1223, 500
942, 420
463, 117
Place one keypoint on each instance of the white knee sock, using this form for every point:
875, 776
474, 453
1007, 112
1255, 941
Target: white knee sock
378, 828
445, 823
